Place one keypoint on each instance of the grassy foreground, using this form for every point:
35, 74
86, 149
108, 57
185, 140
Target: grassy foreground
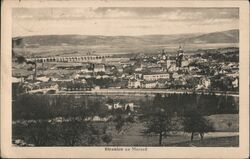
231, 141
225, 135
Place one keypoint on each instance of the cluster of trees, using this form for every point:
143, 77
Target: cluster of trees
75, 85
207, 104
45, 120
59, 120
230, 54
163, 120
224, 84
194, 122
91, 83
66, 133
102, 82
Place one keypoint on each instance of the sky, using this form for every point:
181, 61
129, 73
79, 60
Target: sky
126, 21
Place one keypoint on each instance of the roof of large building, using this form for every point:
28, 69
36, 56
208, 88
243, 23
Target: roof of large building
152, 73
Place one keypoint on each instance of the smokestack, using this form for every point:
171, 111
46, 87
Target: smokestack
35, 73
19, 43
16, 43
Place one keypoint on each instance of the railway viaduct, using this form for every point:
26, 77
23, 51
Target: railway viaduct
68, 59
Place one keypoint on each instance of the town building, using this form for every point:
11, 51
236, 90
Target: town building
154, 77
99, 68
206, 82
130, 105
149, 84
17, 80
134, 83
235, 83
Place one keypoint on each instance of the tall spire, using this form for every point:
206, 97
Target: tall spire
179, 57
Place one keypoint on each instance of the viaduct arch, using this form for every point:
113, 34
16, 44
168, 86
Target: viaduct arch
69, 59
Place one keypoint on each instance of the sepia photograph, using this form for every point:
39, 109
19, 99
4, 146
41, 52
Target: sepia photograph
125, 78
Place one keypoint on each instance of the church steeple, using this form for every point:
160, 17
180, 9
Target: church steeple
180, 51
179, 57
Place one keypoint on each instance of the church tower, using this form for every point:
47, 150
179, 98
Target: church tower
179, 57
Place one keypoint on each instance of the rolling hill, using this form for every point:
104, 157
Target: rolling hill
230, 36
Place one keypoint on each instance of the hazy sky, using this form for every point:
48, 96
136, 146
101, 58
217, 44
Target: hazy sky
122, 21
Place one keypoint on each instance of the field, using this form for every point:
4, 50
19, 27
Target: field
224, 135
225, 122
232, 141
135, 138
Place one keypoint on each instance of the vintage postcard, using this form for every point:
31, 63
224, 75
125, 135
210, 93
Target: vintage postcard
125, 79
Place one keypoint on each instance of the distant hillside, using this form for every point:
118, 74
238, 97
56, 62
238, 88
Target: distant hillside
230, 36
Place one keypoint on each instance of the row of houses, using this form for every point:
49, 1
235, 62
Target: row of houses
146, 84
157, 76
